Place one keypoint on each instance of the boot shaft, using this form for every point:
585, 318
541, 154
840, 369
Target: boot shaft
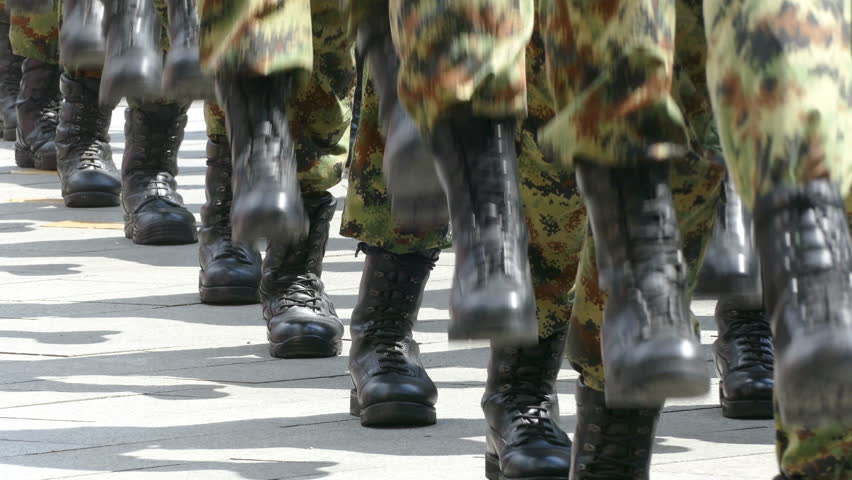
183, 24
802, 235
153, 136
391, 289
611, 443
80, 114
217, 185
529, 370
283, 261
38, 101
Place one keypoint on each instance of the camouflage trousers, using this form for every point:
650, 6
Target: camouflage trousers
623, 86
305, 37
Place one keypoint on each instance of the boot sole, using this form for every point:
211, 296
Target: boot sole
229, 295
305, 347
493, 472
656, 385
91, 200
392, 414
163, 233
746, 409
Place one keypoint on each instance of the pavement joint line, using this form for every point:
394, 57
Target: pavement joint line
51, 355
286, 380
34, 441
137, 469
107, 397
342, 420
744, 455
47, 420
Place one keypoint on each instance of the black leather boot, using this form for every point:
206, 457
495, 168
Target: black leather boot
806, 256
230, 272
650, 348
492, 293
611, 444
300, 318
267, 200
88, 175
522, 411
182, 77
81, 37
133, 66
29, 6
153, 210
745, 358
730, 264
38, 114
391, 385
10, 80
417, 199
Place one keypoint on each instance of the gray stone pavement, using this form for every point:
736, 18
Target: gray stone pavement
111, 368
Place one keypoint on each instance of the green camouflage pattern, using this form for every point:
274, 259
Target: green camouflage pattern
611, 68
320, 113
262, 37
780, 73
462, 54
36, 35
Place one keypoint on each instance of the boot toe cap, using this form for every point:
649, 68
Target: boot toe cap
550, 462
398, 388
748, 386
300, 323
92, 181
229, 271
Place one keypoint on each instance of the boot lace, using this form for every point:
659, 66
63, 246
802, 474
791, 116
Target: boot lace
752, 334
303, 291
49, 117
387, 335
528, 392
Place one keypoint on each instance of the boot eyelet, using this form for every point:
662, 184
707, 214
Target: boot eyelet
594, 428
588, 447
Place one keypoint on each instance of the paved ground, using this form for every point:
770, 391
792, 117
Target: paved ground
111, 368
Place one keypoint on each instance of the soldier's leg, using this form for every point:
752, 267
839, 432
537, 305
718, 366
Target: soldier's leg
35, 37
417, 198
782, 123
10, 78
182, 77
462, 77
81, 38
259, 57
619, 124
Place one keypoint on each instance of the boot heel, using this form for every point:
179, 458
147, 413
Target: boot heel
492, 467
354, 406
745, 409
398, 414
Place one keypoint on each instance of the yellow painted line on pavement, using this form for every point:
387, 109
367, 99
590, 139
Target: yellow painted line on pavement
36, 200
89, 225
32, 171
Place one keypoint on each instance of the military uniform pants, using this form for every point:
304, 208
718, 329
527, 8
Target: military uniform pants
305, 37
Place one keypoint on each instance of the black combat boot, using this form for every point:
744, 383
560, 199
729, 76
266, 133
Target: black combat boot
492, 293
38, 114
730, 264
88, 175
182, 77
524, 440
745, 358
650, 348
230, 272
267, 201
153, 210
391, 385
300, 318
611, 444
81, 37
806, 257
417, 199
29, 6
10, 80
133, 66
